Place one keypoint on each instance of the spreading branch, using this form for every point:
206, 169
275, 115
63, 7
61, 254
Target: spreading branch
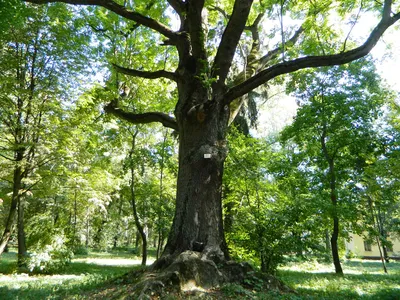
195, 29
6, 157
264, 60
230, 39
119, 10
146, 74
312, 61
143, 118
177, 5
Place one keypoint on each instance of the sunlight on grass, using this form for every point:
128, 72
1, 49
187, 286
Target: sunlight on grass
112, 261
82, 274
26, 277
363, 279
310, 279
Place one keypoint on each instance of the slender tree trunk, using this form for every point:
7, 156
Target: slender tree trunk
138, 244
75, 213
375, 222
327, 241
381, 255
56, 211
383, 233
160, 239
87, 229
334, 246
160, 242
333, 196
22, 251
335, 219
119, 229
12, 216
139, 226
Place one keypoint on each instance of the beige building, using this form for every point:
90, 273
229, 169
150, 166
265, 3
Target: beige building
361, 248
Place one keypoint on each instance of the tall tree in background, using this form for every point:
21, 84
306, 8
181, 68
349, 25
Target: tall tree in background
334, 128
32, 55
208, 37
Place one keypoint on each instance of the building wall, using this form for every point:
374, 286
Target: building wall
356, 246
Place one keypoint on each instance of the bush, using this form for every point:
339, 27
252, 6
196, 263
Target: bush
81, 250
350, 255
51, 257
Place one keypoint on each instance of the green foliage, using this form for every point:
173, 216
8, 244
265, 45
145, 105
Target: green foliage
335, 136
81, 250
235, 290
51, 257
263, 222
364, 279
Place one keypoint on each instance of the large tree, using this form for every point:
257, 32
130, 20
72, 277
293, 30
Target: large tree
222, 57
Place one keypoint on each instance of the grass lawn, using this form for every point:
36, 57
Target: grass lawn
362, 280
311, 280
83, 274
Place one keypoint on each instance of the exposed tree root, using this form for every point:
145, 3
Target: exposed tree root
191, 276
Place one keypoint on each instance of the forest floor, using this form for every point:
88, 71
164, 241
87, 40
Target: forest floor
96, 276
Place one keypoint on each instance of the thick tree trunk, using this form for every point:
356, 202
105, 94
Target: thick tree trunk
198, 224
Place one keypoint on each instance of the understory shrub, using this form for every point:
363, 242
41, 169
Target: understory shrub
51, 257
81, 250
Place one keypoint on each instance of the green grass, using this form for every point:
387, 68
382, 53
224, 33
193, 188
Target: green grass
83, 274
362, 280
311, 280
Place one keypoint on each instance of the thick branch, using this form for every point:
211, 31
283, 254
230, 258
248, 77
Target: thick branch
387, 8
230, 39
6, 157
275, 52
119, 10
146, 74
311, 62
254, 27
177, 5
144, 118
194, 22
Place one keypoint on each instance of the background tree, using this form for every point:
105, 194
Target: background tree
334, 126
32, 53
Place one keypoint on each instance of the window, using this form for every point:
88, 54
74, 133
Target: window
389, 248
367, 246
